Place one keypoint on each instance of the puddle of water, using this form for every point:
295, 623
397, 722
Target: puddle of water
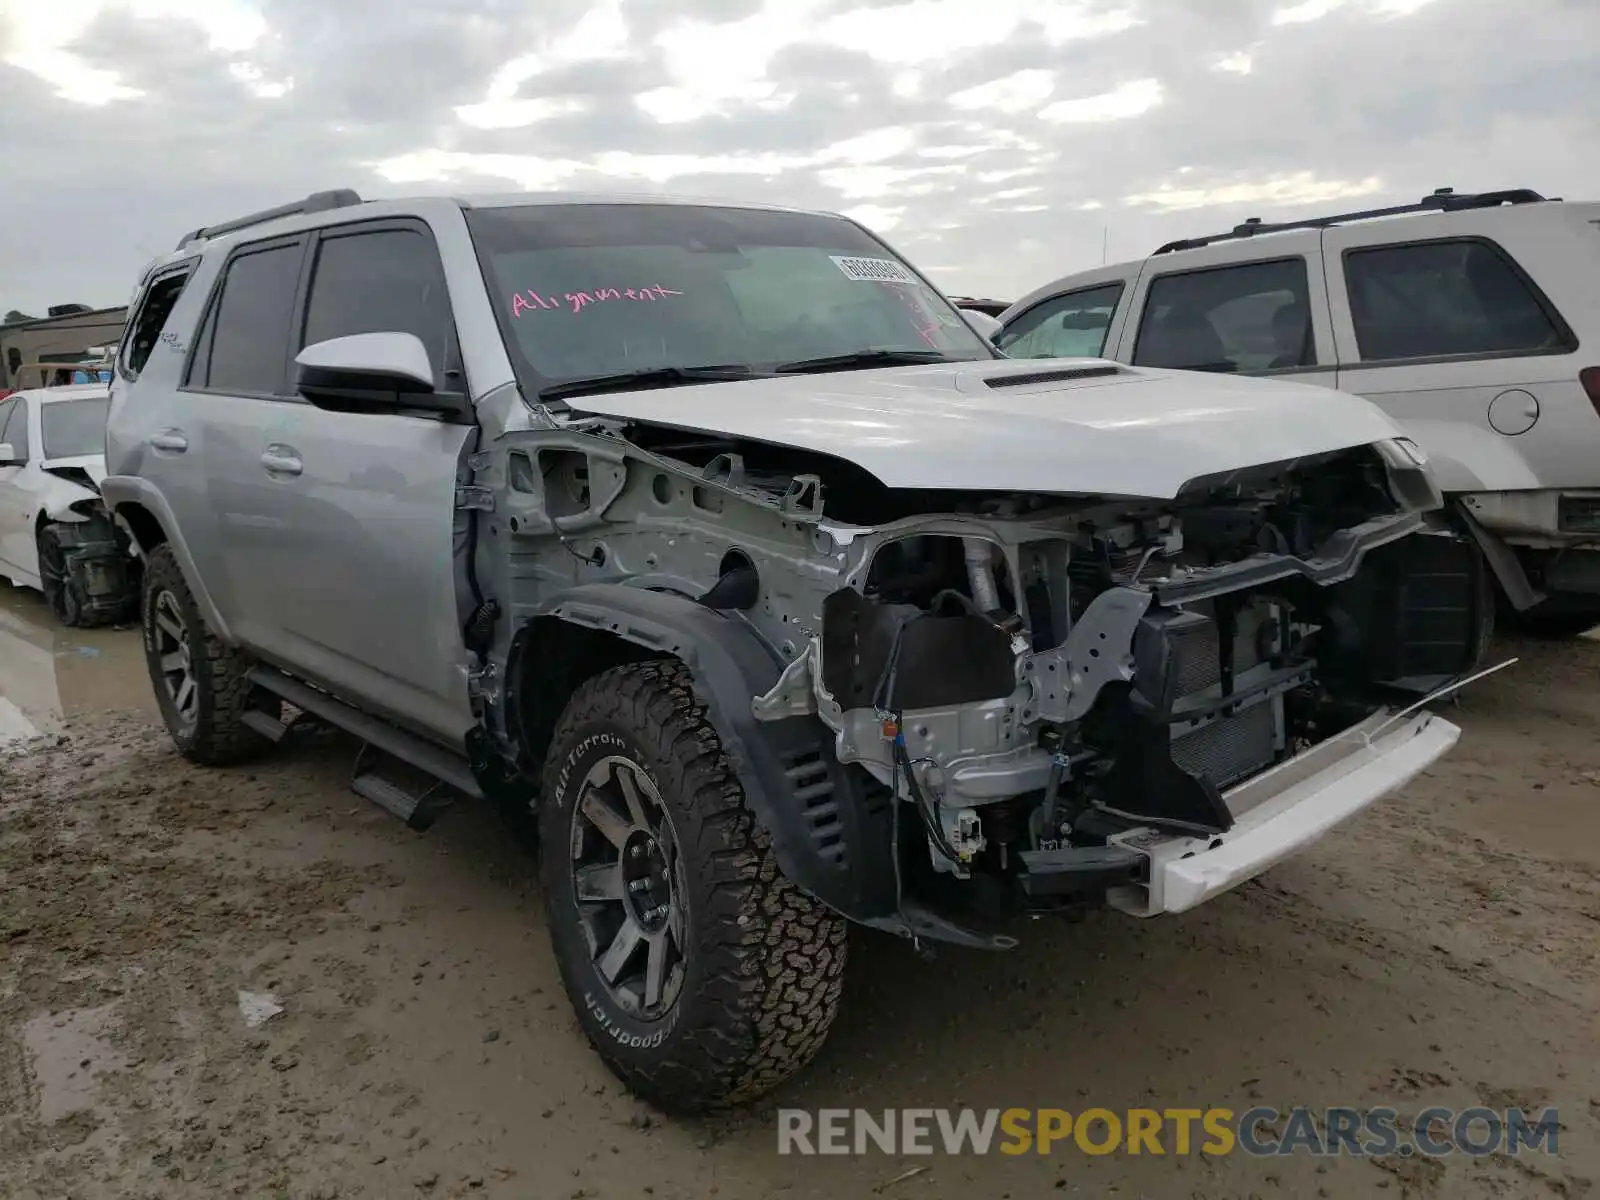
68, 1051
50, 674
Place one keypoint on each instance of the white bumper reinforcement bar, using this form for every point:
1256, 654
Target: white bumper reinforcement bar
1283, 810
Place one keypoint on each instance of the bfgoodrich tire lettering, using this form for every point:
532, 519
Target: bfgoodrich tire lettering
763, 967
200, 683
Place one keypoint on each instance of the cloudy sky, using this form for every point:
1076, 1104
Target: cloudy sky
998, 143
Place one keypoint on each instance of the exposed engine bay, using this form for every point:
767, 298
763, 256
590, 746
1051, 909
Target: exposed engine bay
1019, 682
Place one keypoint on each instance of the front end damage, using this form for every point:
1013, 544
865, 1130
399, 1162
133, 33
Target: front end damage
98, 566
985, 704
86, 568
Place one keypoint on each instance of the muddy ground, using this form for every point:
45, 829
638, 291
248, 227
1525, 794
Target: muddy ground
1445, 948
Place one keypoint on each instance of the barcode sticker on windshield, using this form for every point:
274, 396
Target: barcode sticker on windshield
872, 270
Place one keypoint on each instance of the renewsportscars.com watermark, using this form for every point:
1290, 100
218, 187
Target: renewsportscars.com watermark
1261, 1132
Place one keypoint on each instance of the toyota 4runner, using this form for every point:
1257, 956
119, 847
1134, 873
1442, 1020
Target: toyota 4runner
712, 545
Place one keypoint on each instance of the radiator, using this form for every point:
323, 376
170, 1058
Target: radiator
1237, 746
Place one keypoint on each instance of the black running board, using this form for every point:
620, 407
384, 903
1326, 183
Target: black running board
272, 728
407, 747
418, 807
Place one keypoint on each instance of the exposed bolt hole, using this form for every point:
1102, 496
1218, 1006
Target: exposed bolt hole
661, 489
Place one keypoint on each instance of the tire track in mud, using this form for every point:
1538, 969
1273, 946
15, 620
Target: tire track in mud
1439, 948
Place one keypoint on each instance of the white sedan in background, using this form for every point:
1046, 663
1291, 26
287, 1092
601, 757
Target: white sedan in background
55, 534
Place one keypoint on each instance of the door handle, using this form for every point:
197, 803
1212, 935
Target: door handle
282, 460
170, 439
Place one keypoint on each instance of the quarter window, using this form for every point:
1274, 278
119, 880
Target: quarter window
1070, 326
1443, 299
381, 281
1251, 317
244, 347
149, 320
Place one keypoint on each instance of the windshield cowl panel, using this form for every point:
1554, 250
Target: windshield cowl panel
607, 296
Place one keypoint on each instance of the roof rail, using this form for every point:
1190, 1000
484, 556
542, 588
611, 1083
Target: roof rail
1441, 200
314, 203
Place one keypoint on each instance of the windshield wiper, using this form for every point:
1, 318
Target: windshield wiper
863, 358
649, 377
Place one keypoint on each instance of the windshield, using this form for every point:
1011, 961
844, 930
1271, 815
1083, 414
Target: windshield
73, 428
584, 291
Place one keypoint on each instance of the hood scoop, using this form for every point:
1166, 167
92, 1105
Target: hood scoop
1057, 375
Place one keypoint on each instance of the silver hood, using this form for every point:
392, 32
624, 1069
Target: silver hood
1135, 433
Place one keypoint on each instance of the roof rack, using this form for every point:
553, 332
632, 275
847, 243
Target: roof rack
1441, 200
314, 203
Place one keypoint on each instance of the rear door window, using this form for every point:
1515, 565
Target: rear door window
1446, 299
1245, 318
1073, 325
243, 347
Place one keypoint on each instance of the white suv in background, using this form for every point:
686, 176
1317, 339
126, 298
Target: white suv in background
1472, 319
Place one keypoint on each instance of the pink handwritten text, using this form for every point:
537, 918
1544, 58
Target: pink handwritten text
532, 301
925, 326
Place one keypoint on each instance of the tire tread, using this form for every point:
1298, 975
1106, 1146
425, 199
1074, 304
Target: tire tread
773, 958
220, 736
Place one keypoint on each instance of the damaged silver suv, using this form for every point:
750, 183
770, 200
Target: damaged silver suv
712, 545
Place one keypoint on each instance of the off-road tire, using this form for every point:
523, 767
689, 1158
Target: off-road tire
63, 595
217, 736
764, 962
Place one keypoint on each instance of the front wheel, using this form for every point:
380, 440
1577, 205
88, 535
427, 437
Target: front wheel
61, 591
202, 684
701, 975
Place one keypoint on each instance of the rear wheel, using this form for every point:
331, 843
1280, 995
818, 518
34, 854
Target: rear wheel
1557, 617
1541, 621
201, 684
701, 975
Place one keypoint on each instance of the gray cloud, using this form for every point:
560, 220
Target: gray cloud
1356, 107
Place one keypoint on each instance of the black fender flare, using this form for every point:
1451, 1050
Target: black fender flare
830, 827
